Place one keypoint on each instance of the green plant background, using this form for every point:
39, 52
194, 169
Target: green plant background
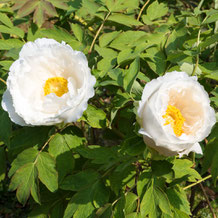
100, 166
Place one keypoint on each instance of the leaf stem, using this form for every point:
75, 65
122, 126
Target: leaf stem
98, 32
3, 81
197, 60
140, 13
199, 181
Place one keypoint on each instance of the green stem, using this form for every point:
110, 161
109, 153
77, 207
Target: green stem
199, 181
3, 81
98, 32
197, 60
140, 13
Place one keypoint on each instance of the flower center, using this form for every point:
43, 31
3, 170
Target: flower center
57, 85
174, 117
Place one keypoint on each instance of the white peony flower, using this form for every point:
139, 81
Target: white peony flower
175, 114
50, 83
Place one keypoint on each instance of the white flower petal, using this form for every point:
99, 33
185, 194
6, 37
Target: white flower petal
7, 105
39, 61
187, 95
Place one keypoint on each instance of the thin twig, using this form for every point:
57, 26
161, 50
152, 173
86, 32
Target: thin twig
207, 199
140, 13
197, 60
199, 181
3, 81
99, 30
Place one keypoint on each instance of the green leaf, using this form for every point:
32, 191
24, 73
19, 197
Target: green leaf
128, 39
5, 20
133, 145
5, 128
27, 8
126, 55
156, 10
95, 117
99, 154
10, 43
12, 30
49, 8
178, 199
27, 156
131, 75
99, 194
153, 199
119, 208
143, 180
78, 31
80, 205
211, 155
121, 5
106, 38
124, 19
6, 64
3, 166
59, 4
79, 181
209, 41
183, 167
157, 60
46, 169
24, 181
211, 19
39, 16
27, 137
213, 75
59, 149
131, 202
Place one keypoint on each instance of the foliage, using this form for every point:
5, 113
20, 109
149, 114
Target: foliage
100, 166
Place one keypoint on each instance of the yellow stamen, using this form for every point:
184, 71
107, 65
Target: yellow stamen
174, 117
57, 85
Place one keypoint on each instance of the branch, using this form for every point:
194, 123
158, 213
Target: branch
199, 181
207, 199
99, 30
3, 81
140, 13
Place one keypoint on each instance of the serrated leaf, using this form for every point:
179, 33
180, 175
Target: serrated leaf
27, 156
154, 198
24, 182
183, 167
211, 19
95, 117
6, 64
156, 10
124, 19
178, 199
47, 173
131, 75
121, 5
5, 20
106, 38
143, 180
5, 128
